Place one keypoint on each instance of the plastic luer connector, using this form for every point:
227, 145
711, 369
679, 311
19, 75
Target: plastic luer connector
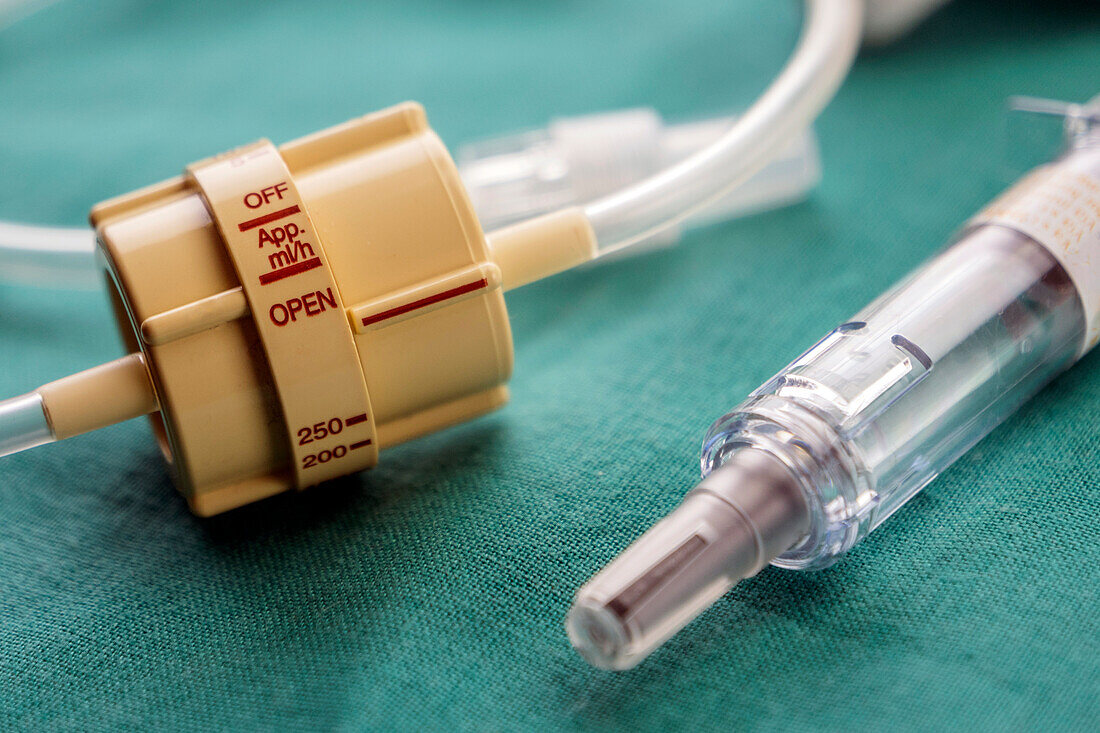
579, 159
847, 433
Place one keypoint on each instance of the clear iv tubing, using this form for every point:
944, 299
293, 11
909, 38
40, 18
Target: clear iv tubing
23, 424
53, 256
47, 256
830, 39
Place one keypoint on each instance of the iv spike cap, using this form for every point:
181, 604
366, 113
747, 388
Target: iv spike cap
729, 527
301, 307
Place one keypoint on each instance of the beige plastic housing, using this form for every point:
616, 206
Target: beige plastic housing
417, 289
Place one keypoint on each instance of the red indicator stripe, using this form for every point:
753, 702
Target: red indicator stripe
360, 444
244, 226
299, 267
356, 419
431, 299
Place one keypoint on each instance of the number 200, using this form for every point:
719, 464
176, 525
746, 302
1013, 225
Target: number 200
324, 456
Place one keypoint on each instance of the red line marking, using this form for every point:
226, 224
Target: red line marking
445, 295
244, 226
297, 268
360, 444
356, 419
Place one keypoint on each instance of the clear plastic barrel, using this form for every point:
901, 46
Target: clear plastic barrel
844, 436
885, 402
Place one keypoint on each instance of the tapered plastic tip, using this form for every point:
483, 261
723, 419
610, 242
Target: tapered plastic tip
598, 636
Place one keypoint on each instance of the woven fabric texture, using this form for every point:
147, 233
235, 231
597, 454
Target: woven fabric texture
430, 592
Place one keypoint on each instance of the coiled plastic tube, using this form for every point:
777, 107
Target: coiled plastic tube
830, 39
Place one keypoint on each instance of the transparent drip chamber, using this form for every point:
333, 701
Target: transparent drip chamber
841, 438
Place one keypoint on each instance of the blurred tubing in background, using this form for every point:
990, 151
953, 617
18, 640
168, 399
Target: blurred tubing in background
579, 160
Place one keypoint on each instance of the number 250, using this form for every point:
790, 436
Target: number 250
320, 431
